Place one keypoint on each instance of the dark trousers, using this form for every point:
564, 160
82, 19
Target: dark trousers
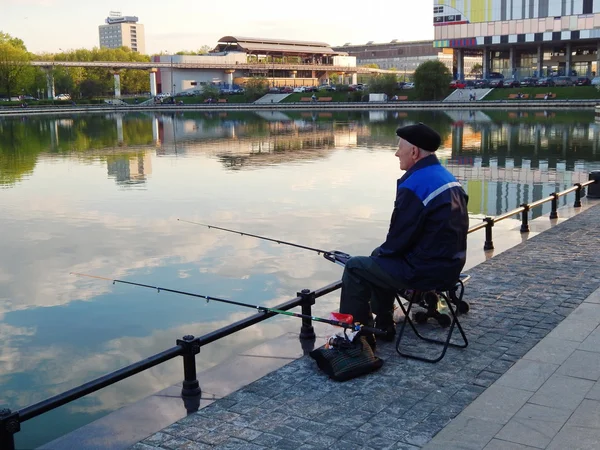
367, 289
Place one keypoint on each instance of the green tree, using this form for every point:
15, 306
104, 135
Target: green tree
204, 49
211, 91
256, 87
371, 66
432, 79
90, 88
14, 65
384, 83
15, 42
477, 69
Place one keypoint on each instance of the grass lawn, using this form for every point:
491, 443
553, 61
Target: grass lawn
562, 93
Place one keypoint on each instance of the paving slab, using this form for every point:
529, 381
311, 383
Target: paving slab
534, 425
562, 392
582, 364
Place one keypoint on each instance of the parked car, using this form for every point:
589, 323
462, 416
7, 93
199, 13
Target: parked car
545, 82
496, 83
299, 89
582, 81
511, 83
410, 85
595, 81
529, 82
482, 84
457, 84
273, 90
494, 75
62, 97
563, 81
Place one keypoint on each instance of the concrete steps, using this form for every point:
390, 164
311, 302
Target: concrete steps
271, 98
462, 95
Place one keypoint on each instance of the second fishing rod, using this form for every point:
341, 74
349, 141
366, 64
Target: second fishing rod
345, 321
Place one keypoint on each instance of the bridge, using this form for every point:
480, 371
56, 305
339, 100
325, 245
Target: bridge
224, 66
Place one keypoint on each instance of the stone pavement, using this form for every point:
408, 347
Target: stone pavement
517, 298
549, 399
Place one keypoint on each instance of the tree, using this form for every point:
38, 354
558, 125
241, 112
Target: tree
384, 83
204, 49
371, 66
256, 87
14, 65
432, 79
15, 42
211, 91
90, 89
477, 69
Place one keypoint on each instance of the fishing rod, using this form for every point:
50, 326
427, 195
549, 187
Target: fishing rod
345, 321
334, 255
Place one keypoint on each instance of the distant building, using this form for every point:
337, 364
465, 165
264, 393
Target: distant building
522, 38
122, 31
404, 56
237, 59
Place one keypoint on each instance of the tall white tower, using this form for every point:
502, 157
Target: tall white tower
122, 31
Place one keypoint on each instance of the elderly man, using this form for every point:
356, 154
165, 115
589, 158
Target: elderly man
426, 243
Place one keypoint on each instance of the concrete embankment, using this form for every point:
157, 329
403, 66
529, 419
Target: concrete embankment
404, 105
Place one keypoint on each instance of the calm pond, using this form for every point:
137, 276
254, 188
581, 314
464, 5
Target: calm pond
101, 194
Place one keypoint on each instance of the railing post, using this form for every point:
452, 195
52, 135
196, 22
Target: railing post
191, 347
9, 425
489, 243
554, 212
308, 299
525, 219
577, 203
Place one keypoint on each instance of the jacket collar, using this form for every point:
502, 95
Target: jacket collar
425, 162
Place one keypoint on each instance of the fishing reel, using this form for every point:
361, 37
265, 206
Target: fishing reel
337, 257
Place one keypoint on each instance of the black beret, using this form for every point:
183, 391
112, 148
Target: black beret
420, 135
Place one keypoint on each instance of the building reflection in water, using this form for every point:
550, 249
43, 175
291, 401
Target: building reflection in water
129, 169
503, 165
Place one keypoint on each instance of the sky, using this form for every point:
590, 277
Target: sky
51, 25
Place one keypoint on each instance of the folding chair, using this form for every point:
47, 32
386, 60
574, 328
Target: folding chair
453, 296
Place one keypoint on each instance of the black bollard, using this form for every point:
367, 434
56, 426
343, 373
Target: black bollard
308, 299
594, 189
489, 243
9, 425
191, 347
554, 212
525, 219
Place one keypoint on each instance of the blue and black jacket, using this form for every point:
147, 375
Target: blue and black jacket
426, 244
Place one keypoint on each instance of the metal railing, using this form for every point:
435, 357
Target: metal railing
189, 346
488, 222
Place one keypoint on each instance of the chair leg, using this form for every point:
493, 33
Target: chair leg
446, 343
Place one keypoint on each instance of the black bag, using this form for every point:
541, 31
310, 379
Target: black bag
348, 361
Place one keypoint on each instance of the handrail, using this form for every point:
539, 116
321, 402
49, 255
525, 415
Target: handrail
488, 222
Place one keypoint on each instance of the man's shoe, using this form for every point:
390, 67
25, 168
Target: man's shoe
386, 323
